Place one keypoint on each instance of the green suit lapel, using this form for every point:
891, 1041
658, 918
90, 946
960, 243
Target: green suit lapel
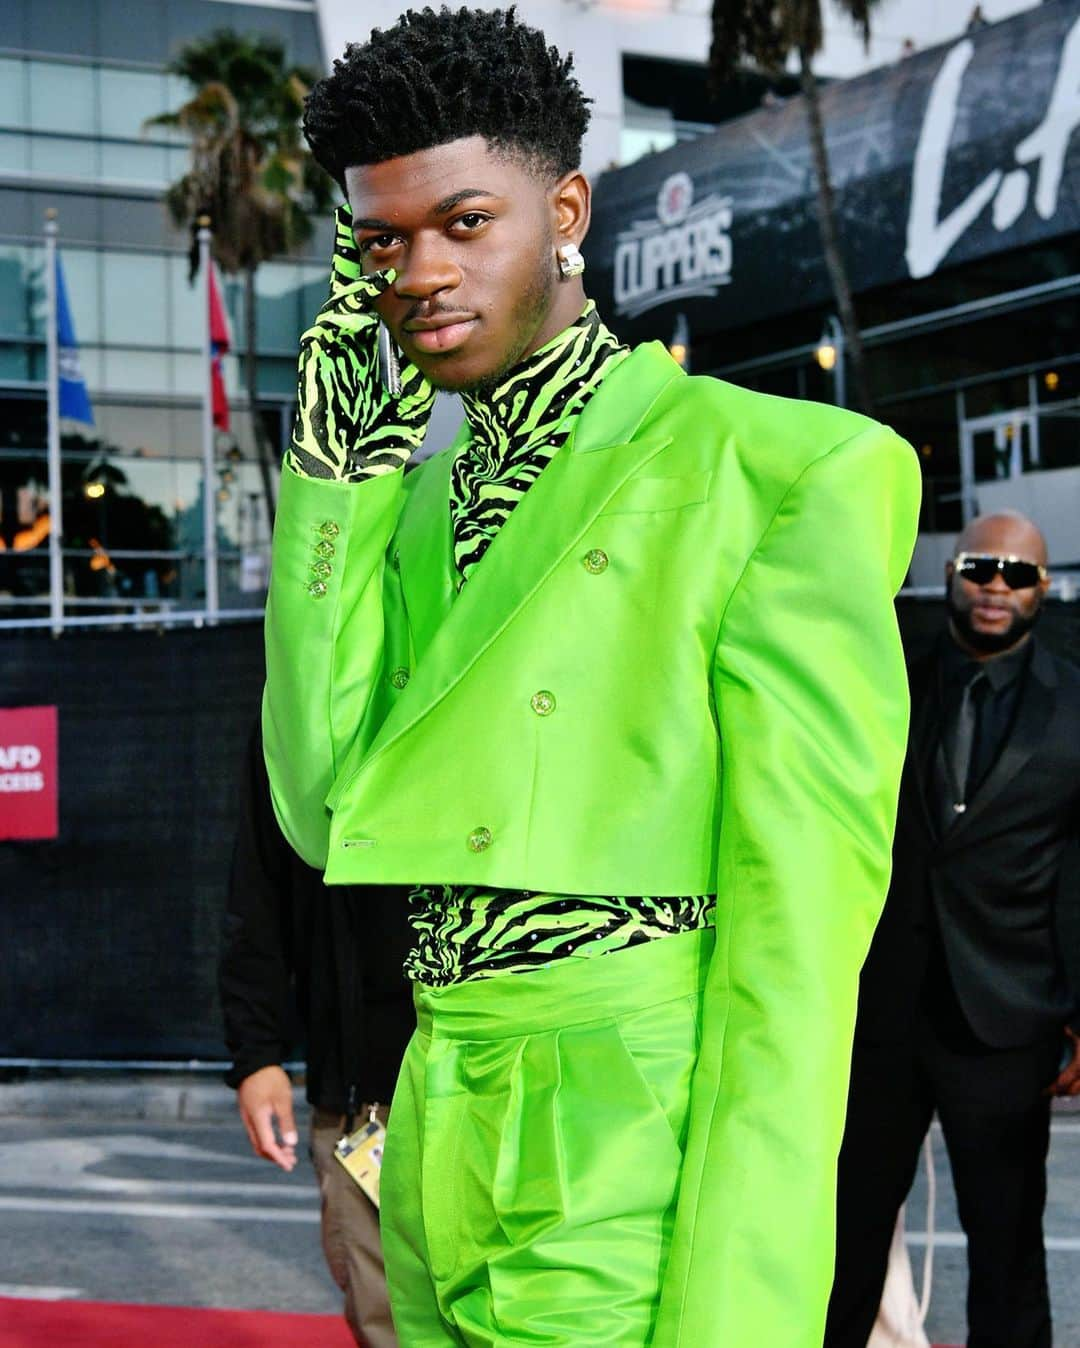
450, 634
423, 548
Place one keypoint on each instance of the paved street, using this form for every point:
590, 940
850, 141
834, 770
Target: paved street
177, 1213
946, 1322
181, 1213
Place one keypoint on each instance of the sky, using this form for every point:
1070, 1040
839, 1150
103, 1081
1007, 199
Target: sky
925, 22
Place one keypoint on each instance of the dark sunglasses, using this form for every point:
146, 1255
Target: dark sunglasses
981, 568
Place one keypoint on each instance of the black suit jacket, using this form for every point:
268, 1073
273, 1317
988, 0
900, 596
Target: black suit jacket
332, 955
990, 879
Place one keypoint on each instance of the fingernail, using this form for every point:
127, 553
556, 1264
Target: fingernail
291, 1139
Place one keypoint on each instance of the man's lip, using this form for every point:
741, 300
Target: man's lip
442, 337
994, 610
429, 324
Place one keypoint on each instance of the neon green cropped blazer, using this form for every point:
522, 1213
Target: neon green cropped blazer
700, 585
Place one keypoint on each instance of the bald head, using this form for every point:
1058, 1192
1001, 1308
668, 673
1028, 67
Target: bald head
990, 618
1004, 534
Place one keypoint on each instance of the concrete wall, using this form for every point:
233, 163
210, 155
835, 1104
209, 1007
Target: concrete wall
597, 35
1051, 499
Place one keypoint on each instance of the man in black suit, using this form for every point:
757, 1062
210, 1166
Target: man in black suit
335, 957
965, 1006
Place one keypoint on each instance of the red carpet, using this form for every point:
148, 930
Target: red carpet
96, 1324
99, 1324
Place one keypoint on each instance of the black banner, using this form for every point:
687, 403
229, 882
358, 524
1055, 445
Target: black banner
954, 153
109, 935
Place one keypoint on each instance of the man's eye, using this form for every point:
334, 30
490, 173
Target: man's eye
471, 220
378, 243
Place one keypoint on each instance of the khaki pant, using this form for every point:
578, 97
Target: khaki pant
350, 1235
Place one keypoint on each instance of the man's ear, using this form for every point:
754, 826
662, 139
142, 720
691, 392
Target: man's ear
571, 204
949, 569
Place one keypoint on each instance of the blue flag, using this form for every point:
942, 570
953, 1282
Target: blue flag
74, 399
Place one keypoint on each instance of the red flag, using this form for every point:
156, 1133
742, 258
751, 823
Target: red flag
219, 344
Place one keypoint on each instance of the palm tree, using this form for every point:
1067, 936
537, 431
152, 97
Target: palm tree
765, 35
250, 171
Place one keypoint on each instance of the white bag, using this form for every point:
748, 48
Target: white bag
901, 1315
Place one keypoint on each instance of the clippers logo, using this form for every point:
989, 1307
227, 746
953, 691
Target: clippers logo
685, 251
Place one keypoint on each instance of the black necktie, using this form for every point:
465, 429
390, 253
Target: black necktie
963, 744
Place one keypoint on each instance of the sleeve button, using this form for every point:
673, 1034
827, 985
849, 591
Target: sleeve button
317, 589
322, 569
325, 549
329, 529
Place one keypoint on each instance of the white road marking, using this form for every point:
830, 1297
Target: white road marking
29, 1291
213, 1212
956, 1240
95, 1184
72, 1165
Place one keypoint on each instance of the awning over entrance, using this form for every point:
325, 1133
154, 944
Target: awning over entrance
955, 153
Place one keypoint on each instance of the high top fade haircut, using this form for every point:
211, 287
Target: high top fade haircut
438, 77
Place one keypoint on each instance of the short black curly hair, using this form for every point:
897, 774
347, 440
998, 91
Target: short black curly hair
439, 76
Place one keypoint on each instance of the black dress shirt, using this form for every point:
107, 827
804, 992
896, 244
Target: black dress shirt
996, 706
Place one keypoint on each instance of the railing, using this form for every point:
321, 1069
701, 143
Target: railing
27, 603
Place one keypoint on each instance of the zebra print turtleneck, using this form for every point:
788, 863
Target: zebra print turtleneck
462, 931
517, 428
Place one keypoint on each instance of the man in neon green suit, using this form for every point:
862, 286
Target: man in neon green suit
614, 684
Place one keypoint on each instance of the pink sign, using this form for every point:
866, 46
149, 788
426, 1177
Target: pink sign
28, 773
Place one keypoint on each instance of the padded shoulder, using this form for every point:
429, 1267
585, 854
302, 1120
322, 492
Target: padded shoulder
769, 441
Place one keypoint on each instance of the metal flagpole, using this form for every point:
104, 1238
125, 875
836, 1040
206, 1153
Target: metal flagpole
52, 384
210, 552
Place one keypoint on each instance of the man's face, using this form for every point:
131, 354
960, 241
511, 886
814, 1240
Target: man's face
991, 618
472, 237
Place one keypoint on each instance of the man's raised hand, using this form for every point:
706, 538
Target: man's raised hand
348, 426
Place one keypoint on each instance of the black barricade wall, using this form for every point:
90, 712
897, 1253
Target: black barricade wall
109, 937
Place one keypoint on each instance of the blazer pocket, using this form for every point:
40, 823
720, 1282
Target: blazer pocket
642, 495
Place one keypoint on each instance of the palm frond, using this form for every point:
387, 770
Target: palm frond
860, 12
249, 168
763, 33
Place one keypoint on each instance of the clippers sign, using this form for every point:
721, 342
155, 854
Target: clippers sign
951, 155
28, 775
685, 251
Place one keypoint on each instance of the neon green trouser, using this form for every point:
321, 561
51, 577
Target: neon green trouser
534, 1151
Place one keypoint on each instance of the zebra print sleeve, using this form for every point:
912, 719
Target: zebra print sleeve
348, 427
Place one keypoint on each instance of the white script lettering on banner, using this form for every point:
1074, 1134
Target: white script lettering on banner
684, 252
930, 236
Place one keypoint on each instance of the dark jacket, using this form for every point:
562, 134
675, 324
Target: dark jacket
991, 880
296, 948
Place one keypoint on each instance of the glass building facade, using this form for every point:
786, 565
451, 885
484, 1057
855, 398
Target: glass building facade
79, 80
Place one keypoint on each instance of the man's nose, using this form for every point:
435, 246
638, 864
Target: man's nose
996, 582
429, 270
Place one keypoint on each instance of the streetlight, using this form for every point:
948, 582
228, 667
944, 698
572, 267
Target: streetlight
829, 354
680, 342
